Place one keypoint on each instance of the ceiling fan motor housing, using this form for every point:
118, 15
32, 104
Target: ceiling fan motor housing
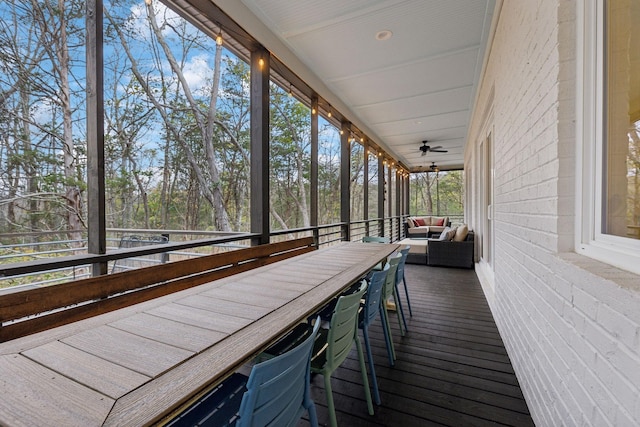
427, 148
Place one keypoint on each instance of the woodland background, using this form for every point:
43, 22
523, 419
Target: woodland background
176, 130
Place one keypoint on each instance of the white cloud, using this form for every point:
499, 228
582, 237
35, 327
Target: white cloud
197, 71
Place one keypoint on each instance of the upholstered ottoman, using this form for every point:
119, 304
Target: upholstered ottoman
417, 250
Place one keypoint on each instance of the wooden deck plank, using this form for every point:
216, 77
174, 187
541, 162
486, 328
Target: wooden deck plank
201, 318
446, 324
295, 271
224, 294
137, 353
257, 290
435, 382
231, 308
467, 376
27, 389
461, 335
61, 332
287, 284
329, 261
447, 365
105, 377
171, 332
277, 276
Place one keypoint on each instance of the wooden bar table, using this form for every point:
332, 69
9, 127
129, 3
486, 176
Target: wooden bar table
136, 365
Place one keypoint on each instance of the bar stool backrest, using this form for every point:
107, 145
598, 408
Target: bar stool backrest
278, 389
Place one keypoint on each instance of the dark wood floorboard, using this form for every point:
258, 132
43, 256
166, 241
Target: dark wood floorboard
451, 370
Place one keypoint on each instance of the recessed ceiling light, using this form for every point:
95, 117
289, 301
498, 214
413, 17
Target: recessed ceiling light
384, 35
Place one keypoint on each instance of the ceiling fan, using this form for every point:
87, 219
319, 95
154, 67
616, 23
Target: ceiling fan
434, 167
426, 148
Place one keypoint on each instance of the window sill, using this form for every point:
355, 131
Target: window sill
598, 262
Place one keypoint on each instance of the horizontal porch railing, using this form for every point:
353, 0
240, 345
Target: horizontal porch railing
47, 267
40, 308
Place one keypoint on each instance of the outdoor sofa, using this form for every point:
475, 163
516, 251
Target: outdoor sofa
425, 226
453, 248
451, 253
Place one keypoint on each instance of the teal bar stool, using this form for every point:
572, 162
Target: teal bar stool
391, 291
370, 309
277, 392
333, 345
375, 239
405, 252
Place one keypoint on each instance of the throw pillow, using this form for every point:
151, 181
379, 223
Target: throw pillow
451, 234
444, 234
410, 223
461, 233
419, 222
440, 222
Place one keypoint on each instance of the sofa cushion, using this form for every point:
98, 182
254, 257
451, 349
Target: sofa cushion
410, 222
415, 246
461, 233
418, 232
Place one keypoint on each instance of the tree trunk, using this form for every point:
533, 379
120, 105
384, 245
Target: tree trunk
164, 193
29, 161
214, 190
72, 192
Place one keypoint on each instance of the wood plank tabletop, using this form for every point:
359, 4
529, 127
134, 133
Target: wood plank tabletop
136, 365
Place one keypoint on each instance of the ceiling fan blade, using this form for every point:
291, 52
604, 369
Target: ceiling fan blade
437, 147
439, 151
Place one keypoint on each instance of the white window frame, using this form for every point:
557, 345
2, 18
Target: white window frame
590, 241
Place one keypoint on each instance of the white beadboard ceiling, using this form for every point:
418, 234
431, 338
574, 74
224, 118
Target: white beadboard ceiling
418, 85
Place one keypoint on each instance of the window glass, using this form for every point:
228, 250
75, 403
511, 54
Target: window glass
357, 181
422, 193
621, 195
372, 159
290, 160
176, 123
42, 120
608, 117
438, 193
328, 172
392, 192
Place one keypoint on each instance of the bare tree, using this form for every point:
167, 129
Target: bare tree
205, 118
53, 22
37, 74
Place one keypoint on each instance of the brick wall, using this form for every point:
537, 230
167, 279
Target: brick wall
571, 325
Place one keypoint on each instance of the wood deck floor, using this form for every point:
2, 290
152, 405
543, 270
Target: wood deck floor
452, 368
